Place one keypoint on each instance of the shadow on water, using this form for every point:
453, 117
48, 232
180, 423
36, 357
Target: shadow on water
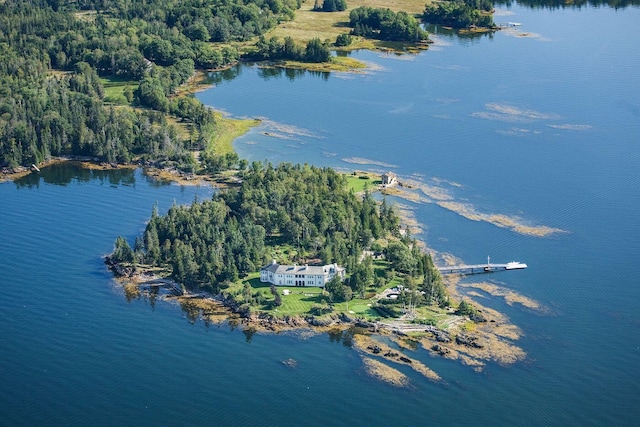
291, 74
265, 71
65, 173
156, 181
562, 4
345, 336
217, 77
462, 37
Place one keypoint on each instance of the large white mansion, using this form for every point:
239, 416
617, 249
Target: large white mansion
299, 275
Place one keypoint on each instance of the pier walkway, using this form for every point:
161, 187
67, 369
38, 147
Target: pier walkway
481, 268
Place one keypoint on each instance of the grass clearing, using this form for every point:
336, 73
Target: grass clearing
114, 88
183, 128
229, 129
363, 180
328, 25
299, 301
337, 63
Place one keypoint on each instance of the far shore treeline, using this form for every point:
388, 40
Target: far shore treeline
145, 49
103, 79
100, 78
297, 214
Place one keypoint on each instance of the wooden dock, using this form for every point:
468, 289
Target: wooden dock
481, 268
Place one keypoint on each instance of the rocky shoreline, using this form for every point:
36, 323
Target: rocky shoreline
488, 338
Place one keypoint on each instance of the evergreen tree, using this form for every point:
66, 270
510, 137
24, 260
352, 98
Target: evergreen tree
122, 252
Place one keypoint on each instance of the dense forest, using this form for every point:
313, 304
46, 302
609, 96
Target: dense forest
460, 13
275, 50
154, 44
305, 208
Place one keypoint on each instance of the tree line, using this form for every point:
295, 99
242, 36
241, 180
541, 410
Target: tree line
156, 44
275, 50
460, 13
215, 242
330, 6
219, 240
385, 24
43, 116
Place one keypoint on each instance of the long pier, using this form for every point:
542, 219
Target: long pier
481, 268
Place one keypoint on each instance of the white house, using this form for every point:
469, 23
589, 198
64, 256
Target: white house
300, 275
389, 179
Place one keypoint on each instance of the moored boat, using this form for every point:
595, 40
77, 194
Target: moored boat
514, 265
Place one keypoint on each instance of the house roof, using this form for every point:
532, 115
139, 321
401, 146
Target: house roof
315, 270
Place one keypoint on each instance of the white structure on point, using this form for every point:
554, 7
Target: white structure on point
300, 275
389, 179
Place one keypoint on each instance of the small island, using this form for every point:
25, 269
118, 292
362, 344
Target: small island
297, 246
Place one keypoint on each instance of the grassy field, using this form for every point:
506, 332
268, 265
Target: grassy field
301, 300
309, 24
363, 180
227, 130
114, 89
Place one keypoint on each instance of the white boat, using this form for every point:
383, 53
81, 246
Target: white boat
514, 24
514, 265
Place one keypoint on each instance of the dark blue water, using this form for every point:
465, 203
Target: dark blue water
545, 128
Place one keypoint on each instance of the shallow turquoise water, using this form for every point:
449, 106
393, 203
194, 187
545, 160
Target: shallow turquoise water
545, 128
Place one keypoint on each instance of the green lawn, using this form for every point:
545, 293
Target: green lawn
362, 181
301, 300
114, 89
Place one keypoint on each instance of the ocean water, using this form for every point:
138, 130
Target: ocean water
540, 125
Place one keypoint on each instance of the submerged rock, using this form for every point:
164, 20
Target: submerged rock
290, 363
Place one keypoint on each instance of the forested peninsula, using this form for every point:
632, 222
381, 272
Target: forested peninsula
99, 79
104, 80
294, 214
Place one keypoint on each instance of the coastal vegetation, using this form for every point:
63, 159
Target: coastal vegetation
98, 80
460, 13
274, 50
334, 27
295, 214
307, 210
385, 24
102, 80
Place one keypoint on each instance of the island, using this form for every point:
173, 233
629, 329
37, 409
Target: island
292, 247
